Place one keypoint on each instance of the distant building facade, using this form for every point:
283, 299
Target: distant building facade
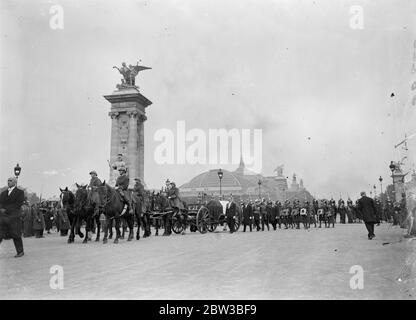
244, 184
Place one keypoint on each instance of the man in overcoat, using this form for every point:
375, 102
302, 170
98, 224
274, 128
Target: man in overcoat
230, 213
11, 201
367, 208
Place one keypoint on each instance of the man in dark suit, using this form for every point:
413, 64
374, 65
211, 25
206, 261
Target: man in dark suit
367, 209
230, 214
11, 201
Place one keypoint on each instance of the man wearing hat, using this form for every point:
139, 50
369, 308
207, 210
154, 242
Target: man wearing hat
122, 184
11, 201
230, 213
95, 181
367, 208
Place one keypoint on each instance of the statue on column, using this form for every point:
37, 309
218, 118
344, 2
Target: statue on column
129, 74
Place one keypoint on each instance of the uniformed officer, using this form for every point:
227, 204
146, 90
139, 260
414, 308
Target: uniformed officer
342, 212
230, 213
271, 212
247, 216
176, 203
256, 214
94, 182
263, 215
277, 213
122, 184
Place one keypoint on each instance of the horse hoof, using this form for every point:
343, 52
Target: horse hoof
85, 241
110, 237
105, 241
121, 238
116, 240
137, 237
98, 239
70, 240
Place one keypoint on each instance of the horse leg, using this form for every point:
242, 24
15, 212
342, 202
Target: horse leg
117, 226
110, 226
98, 223
123, 223
130, 223
138, 225
106, 226
87, 228
71, 234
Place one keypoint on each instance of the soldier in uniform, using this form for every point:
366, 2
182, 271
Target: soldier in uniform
350, 211
277, 213
176, 203
389, 210
263, 215
38, 221
271, 212
247, 216
230, 213
342, 212
122, 184
256, 214
304, 214
94, 183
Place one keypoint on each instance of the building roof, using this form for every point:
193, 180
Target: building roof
209, 179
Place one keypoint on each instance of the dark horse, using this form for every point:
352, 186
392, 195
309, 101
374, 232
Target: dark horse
68, 202
85, 211
108, 201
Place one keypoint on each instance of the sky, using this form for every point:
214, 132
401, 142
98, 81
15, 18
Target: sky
318, 87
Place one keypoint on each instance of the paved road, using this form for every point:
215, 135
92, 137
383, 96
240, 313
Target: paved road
282, 264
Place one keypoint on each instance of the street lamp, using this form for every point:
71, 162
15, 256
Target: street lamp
259, 183
220, 175
17, 170
375, 193
381, 184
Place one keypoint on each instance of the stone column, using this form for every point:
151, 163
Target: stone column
114, 144
142, 119
132, 146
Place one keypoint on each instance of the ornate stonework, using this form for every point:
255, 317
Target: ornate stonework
127, 131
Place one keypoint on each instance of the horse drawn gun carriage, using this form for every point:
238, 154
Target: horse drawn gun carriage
203, 217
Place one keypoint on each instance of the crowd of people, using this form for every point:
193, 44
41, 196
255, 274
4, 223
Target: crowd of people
18, 218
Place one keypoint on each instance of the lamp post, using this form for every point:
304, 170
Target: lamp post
381, 184
375, 192
220, 175
259, 183
17, 170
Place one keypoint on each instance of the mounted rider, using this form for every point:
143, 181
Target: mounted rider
174, 199
94, 182
122, 184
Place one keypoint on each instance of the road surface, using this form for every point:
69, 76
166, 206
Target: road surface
282, 264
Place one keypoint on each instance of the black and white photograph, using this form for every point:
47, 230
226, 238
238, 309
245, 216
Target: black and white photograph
189, 150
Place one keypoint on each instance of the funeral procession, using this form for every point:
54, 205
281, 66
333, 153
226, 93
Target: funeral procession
276, 160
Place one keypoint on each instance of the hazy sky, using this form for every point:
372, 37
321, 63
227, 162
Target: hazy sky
318, 89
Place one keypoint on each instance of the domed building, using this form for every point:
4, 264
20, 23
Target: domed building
243, 184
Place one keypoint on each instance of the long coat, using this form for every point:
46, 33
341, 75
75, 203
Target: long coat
63, 220
10, 220
27, 221
174, 200
367, 208
38, 219
247, 213
231, 210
